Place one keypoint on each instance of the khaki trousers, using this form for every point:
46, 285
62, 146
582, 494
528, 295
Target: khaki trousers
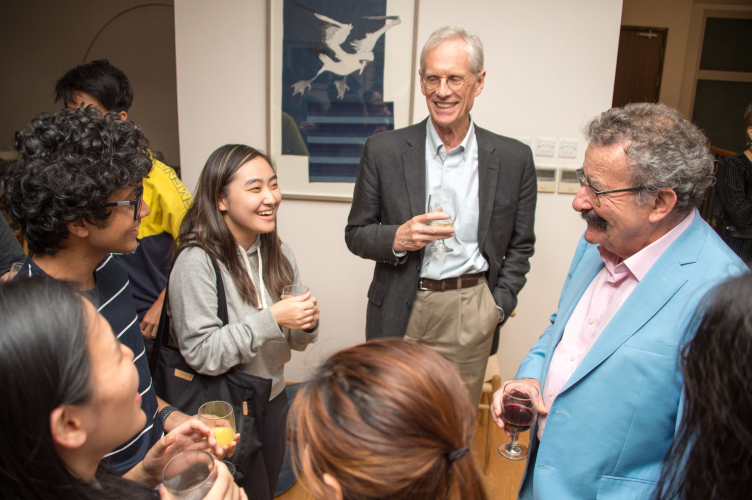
459, 325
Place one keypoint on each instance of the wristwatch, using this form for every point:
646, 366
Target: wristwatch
165, 412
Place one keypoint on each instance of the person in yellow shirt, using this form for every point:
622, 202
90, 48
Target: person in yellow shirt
107, 88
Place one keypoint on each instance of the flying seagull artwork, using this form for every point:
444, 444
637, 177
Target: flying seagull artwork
333, 35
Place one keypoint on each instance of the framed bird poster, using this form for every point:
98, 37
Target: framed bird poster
339, 72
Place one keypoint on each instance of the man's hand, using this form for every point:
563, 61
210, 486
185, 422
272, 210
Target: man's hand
415, 233
151, 319
299, 312
191, 435
497, 397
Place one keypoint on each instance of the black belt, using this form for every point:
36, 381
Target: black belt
464, 281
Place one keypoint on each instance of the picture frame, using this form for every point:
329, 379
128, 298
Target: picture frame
318, 122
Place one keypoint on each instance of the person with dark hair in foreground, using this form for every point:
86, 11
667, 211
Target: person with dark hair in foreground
385, 420
607, 365
105, 87
70, 394
76, 190
711, 457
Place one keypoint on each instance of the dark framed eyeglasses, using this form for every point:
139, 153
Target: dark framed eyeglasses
584, 183
136, 204
454, 82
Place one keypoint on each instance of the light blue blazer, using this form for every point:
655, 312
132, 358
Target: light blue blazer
611, 425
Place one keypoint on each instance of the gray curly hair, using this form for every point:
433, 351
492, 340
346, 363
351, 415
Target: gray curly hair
474, 46
664, 150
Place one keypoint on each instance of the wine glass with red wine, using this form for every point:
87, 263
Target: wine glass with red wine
519, 408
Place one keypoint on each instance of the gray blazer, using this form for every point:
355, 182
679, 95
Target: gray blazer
390, 189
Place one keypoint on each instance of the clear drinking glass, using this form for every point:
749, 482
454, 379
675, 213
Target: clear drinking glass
230, 467
294, 291
448, 205
519, 409
15, 268
220, 417
189, 475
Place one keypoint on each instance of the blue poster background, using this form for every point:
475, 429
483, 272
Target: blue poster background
327, 124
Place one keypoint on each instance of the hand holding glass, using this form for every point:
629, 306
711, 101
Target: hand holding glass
189, 475
447, 204
519, 409
294, 291
220, 418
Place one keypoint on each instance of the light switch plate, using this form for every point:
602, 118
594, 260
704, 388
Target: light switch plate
568, 148
545, 146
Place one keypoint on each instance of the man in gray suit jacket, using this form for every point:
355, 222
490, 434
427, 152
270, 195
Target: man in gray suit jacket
453, 301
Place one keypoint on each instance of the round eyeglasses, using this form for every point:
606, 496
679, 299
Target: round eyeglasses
584, 183
454, 82
136, 204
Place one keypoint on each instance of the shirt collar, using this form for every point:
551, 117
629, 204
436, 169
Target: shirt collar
640, 263
434, 141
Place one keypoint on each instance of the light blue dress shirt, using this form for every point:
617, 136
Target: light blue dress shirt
454, 173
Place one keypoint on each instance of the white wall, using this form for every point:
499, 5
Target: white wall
550, 66
40, 41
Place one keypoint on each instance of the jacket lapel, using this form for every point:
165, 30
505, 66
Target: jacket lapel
488, 175
414, 167
661, 282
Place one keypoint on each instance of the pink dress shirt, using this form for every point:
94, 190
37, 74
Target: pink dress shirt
600, 302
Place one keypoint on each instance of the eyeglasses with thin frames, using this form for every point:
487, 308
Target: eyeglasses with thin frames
454, 82
584, 183
136, 204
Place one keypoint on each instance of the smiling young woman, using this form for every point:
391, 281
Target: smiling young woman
70, 395
233, 220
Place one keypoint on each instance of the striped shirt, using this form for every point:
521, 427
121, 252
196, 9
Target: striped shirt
116, 305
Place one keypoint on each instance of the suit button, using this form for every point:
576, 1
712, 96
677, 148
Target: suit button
417, 268
409, 305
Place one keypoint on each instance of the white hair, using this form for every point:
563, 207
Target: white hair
474, 46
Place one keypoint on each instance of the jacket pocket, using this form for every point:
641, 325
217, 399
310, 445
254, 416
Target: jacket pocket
376, 293
625, 488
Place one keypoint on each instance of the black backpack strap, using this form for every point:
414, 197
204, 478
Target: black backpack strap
163, 330
221, 296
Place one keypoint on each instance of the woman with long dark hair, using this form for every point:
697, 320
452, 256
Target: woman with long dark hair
385, 420
69, 396
711, 456
233, 220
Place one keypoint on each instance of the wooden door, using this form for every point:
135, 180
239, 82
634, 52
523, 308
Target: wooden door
639, 65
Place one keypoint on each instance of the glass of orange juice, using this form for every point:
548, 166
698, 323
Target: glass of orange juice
220, 417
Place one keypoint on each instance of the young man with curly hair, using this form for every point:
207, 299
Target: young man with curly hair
76, 189
105, 87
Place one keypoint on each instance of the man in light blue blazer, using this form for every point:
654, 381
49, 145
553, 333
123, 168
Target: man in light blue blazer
607, 368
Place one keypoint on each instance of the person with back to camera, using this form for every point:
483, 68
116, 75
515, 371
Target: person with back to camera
233, 220
734, 189
711, 456
385, 420
70, 394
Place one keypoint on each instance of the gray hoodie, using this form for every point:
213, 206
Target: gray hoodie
251, 340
